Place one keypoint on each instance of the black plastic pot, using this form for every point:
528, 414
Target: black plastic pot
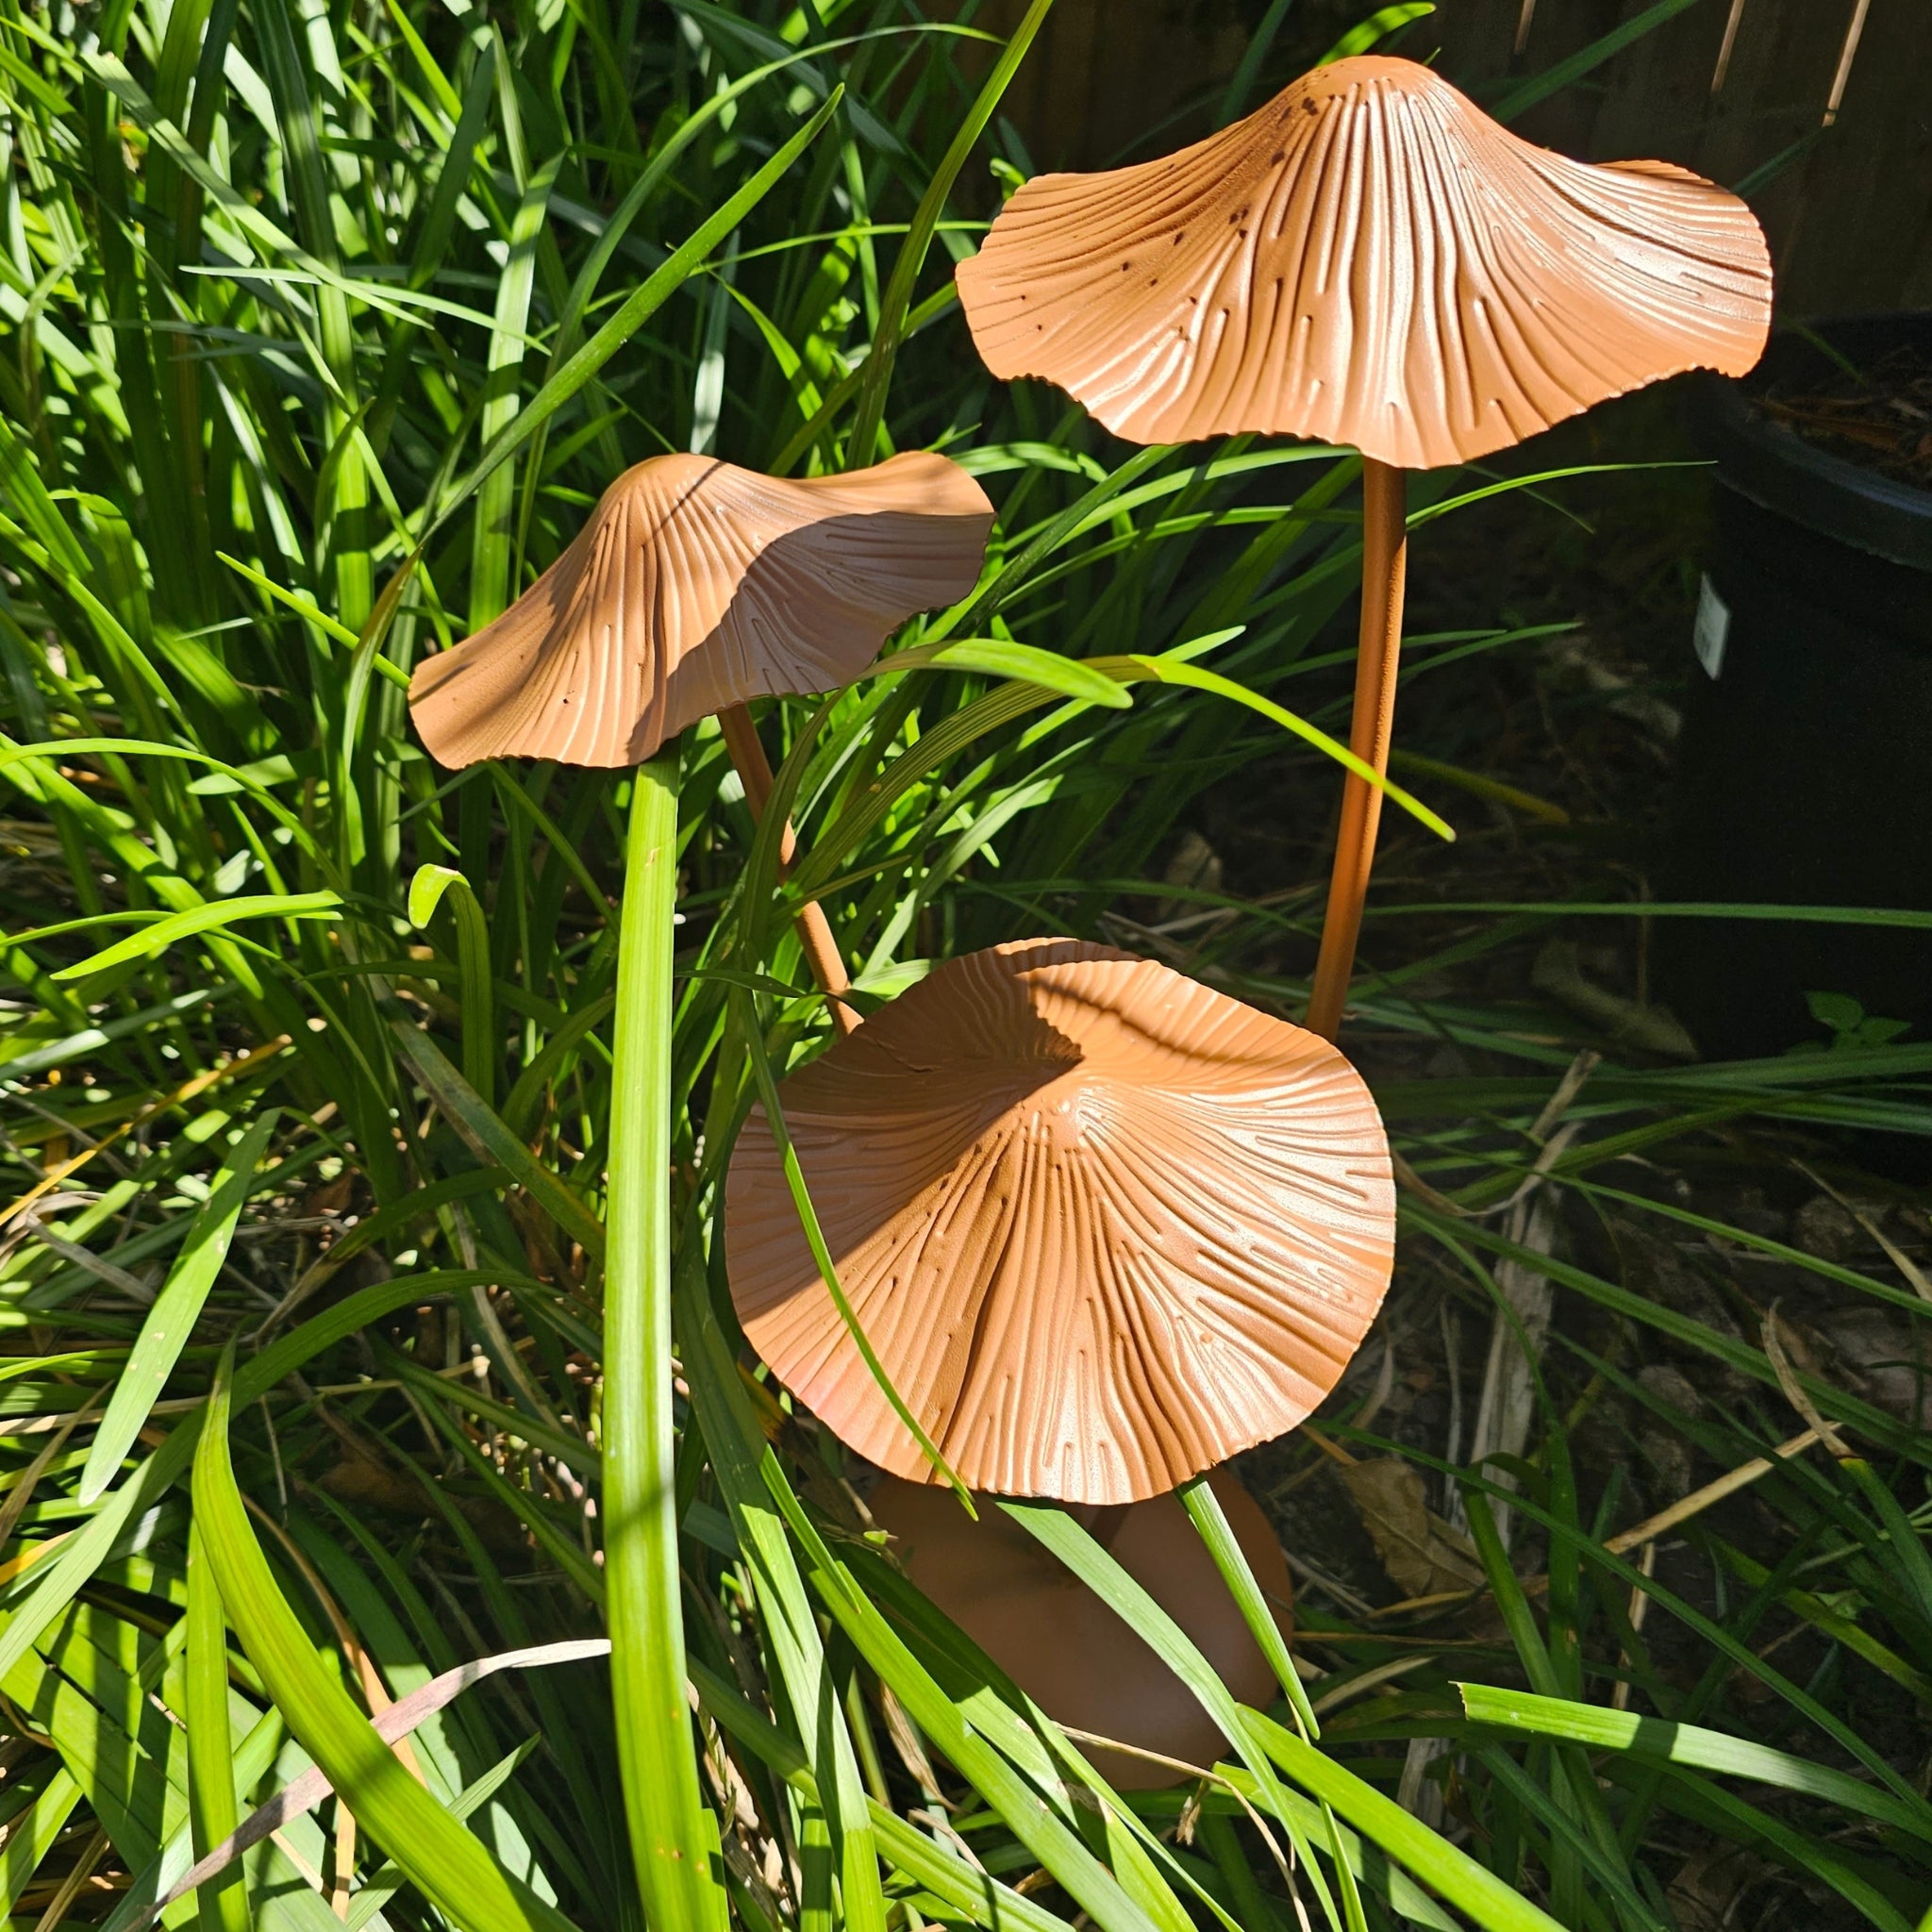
1806, 762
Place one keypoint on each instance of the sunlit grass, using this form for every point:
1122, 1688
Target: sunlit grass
322, 329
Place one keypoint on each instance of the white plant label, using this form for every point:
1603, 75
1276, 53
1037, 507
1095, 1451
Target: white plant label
1713, 629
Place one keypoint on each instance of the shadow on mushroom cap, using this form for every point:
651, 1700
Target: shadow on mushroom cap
1102, 1227
696, 585
1367, 259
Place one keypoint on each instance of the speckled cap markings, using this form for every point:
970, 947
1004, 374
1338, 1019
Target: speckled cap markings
1367, 260
1104, 1227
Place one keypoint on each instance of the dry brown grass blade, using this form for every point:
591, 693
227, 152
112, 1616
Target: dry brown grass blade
70, 1887
1777, 1354
1648, 1531
186, 1090
1715, 1491
1915, 1276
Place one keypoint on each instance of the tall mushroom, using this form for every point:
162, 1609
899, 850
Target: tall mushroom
1074, 1655
1367, 260
694, 587
1102, 1225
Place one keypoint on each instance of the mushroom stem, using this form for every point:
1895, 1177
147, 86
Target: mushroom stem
814, 928
1385, 569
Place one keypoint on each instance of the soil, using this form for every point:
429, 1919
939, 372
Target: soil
1880, 417
1587, 722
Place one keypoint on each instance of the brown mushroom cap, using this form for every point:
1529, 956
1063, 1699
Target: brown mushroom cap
1102, 1225
1076, 1658
1367, 260
696, 585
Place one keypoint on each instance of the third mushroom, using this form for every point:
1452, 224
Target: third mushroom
1370, 259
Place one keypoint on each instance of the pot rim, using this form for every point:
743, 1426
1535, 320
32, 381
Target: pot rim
1774, 467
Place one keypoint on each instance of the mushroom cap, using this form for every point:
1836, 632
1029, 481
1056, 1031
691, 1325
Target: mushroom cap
696, 585
1102, 1225
1076, 1658
1367, 260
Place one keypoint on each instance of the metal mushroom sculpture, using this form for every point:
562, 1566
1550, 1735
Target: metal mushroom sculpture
1367, 260
696, 586
1102, 1227
1084, 1666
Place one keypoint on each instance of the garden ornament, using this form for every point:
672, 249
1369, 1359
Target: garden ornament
1102, 1225
1367, 260
1074, 1655
694, 587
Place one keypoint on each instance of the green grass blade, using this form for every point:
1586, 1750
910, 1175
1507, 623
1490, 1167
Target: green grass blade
638, 308
213, 1810
1666, 1743
1569, 1838
170, 1321
1052, 1527
492, 551
1072, 677
821, 1253
483, 1129
215, 916
1036, 1826
731, 1435
1204, 1509
52, 1586
897, 299
431, 885
1168, 670
1248, 69
673, 1838
1376, 28
1907, 1540
446, 1864
1431, 1857
982, 1900
1540, 87
1723, 1811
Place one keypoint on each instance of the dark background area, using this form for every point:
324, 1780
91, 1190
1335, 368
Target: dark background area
1847, 206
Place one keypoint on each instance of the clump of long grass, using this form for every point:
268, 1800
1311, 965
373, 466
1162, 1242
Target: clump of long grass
322, 326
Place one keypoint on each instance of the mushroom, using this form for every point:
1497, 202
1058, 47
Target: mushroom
1084, 1666
694, 587
1369, 260
1102, 1225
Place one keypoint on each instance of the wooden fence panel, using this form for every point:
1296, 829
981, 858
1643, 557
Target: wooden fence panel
1848, 205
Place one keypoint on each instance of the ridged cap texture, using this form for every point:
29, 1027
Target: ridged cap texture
1367, 260
1104, 1227
696, 585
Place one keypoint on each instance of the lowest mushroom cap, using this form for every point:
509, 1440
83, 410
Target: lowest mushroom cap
1102, 1225
1367, 260
696, 585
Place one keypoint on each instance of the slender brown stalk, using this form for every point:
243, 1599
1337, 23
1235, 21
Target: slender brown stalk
814, 928
1384, 567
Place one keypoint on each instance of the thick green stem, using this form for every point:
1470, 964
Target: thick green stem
674, 1839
